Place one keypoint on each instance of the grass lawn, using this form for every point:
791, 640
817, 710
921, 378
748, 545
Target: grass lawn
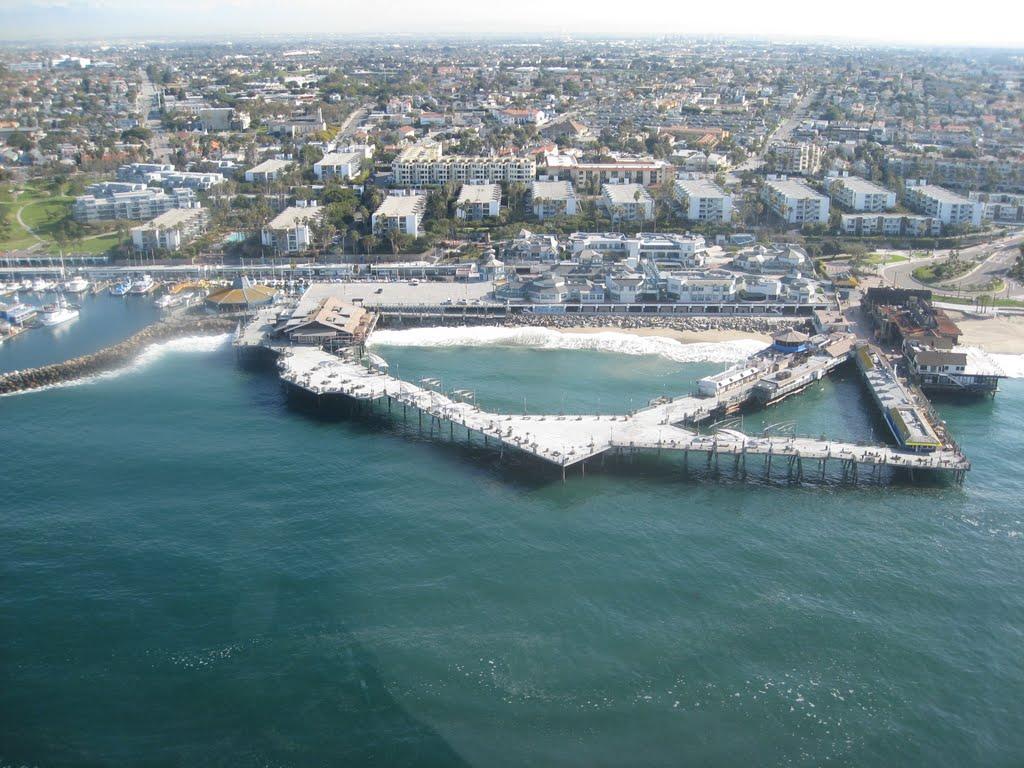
884, 258
934, 273
970, 301
90, 245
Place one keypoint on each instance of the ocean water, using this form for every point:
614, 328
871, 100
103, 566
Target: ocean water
200, 570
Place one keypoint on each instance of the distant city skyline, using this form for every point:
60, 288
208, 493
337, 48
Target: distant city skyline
873, 21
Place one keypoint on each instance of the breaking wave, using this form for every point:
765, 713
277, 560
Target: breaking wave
547, 338
1012, 365
145, 358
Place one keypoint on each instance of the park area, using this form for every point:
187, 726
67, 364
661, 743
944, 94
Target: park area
32, 216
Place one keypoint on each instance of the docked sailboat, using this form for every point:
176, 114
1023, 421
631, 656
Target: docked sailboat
121, 288
57, 313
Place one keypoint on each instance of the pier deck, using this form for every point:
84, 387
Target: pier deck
567, 440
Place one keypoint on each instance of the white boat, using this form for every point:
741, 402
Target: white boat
169, 300
57, 313
39, 285
144, 284
76, 284
120, 289
26, 285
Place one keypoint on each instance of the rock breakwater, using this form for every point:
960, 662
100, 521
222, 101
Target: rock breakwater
115, 355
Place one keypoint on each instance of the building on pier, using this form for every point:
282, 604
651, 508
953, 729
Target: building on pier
243, 294
330, 322
959, 370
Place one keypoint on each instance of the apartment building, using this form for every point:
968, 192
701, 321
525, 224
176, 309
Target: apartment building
291, 230
794, 201
646, 171
627, 202
703, 200
951, 209
1000, 207
425, 165
170, 230
892, 224
803, 158
478, 201
268, 170
552, 198
856, 194
344, 165
400, 213
138, 205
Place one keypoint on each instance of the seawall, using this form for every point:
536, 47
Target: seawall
115, 355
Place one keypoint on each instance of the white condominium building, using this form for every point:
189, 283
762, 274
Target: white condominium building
948, 207
857, 194
703, 200
1000, 206
291, 230
802, 157
268, 170
627, 202
400, 213
795, 202
552, 198
897, 224
478, 201
169, 231
425, 165
346, 165
138, 205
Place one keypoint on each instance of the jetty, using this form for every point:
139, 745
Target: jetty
115, 355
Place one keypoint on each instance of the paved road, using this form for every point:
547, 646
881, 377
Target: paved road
998, 256
144, 105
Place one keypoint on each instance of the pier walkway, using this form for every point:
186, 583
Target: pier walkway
568, 440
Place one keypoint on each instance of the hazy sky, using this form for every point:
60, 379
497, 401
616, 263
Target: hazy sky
940, 22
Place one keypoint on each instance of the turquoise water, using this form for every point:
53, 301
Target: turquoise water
199, 571
102, 320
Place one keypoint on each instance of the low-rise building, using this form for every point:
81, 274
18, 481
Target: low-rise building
703, 200
627, 202
794, 201
951, 209
268, 170
170, 230
478, 201
552, 198
291, 230
400, 213
698, 287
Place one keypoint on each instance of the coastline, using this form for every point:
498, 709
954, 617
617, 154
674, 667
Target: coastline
1002, 334
707, 336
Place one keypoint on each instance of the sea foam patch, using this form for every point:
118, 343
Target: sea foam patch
547, 338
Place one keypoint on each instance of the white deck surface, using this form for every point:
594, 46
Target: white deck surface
567, 440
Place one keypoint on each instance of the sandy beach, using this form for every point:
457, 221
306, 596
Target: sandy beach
685, 337
1002, 334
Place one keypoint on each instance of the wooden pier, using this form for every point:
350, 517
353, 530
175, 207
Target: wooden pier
571, 440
